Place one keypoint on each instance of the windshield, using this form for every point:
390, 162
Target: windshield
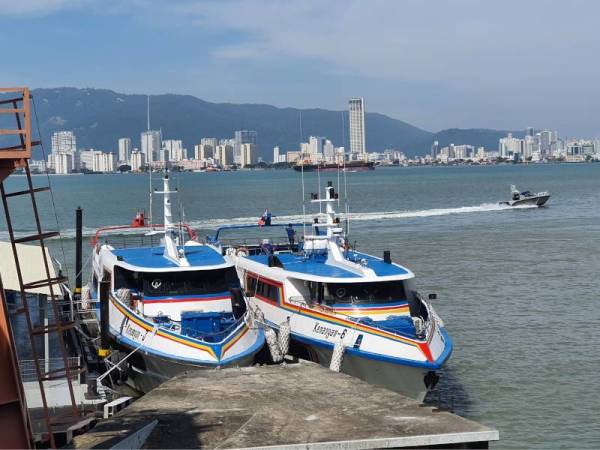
364, 293
198, 282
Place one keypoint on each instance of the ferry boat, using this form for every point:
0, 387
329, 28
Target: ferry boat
173, 306
344, 309
519, 198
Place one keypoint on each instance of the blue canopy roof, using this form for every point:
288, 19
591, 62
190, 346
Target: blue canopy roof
152, 257
315, 265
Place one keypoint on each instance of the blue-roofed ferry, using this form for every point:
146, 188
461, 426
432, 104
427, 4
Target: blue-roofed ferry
175, 304
347, 310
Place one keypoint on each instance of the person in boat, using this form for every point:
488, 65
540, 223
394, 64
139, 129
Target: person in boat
291, 233
265, 219
267, 247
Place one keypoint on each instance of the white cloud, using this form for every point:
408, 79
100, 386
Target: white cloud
35, 7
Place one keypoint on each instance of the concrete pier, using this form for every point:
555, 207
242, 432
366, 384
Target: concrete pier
300, 405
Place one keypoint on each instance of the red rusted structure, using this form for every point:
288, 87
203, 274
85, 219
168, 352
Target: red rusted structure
14, 421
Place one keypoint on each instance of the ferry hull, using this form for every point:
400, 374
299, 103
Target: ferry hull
406, 380
161, 354
147, 371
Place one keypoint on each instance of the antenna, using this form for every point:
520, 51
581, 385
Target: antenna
344, 170
150, 186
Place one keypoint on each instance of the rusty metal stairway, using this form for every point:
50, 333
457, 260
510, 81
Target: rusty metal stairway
17, 156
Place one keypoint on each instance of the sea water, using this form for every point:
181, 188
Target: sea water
517, 288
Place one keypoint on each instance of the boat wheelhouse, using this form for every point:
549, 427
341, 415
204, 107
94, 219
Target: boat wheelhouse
175, 304
345, 309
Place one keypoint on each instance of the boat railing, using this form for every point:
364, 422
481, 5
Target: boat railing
131, 241
108, 234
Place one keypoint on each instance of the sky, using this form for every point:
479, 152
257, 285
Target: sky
501, 64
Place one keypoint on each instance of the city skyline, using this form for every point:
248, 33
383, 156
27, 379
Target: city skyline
506, 65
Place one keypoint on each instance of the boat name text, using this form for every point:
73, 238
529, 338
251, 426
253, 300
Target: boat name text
329, 332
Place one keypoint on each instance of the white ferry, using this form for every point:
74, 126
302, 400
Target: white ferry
176, 305
344, 309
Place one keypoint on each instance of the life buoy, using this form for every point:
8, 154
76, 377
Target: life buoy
242, 251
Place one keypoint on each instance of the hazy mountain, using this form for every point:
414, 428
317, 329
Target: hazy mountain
100, 117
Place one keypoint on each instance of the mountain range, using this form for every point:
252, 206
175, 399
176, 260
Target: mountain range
99, 117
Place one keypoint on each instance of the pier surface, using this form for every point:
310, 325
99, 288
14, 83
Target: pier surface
300, 405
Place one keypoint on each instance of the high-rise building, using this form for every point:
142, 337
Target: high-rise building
64, 141
204, 151
97, 161
63, 162
328, 150
151, 145
138, 160
247, 155
224, 154
315, 145
435, 149
124, 149
357, 126
243, 137
529, 131
276, 153
213, 142
172, 150
510, 146
546, 140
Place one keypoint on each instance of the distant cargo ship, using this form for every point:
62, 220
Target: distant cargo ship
349, 166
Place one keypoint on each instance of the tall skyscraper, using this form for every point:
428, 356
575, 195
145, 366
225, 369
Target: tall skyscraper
435, 149
248, 154
151, 145
124, 149
172, 150
357, 126
224, 153
213, 142
529, 131
328, 150
138, 160
64, 141
315, 144
242, 137
204, 151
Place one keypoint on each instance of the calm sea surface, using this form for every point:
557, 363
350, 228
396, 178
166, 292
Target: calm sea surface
517, 288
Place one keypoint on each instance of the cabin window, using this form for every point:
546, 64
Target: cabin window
195, 282
250, 286
364, 293
127, 279
268, 291
259, 287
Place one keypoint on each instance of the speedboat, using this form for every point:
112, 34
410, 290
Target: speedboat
172, 305
347, 310
526, 198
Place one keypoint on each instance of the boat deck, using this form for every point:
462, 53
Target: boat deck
316, 265
152, 257
300, 405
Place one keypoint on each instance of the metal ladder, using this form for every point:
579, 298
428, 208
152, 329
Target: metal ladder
21, 110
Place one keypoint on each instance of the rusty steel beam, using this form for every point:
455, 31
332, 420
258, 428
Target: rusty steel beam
14, 420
